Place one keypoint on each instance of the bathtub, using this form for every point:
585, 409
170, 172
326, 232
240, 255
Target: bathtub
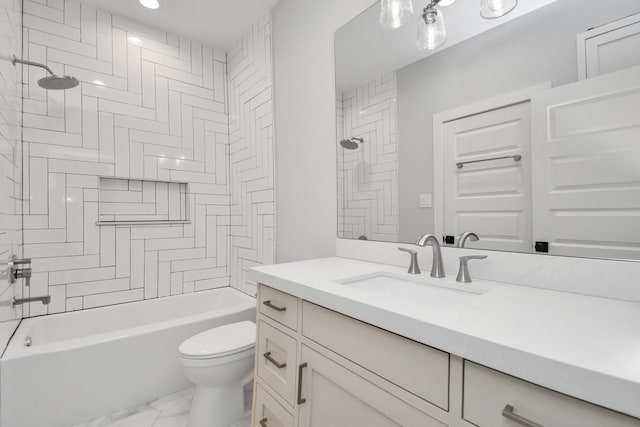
86, 364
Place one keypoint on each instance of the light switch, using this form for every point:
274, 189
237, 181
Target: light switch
426, 201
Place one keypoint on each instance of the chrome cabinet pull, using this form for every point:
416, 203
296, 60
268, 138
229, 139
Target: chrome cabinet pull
275, 307
263, 422
267, 356
300, 368
508, 413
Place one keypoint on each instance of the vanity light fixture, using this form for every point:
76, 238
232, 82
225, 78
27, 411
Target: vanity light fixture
150, 4
491, 9
396, 13
431, 29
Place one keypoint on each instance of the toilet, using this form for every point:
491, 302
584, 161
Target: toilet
219, 362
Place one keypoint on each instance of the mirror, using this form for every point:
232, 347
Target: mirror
522, 129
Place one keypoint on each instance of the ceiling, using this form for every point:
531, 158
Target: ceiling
217, 23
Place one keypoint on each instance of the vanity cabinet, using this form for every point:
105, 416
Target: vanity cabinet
487, 393
316, 367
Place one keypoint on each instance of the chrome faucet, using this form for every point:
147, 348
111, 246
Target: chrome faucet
467, 235
437, 269
463, 271
414, 268
44, 300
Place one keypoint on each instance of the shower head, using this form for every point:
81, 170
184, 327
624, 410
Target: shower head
351, 143
51, 82
54, 82
58, 83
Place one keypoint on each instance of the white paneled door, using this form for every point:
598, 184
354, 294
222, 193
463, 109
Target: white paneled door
609, 48
490, 196
586, 182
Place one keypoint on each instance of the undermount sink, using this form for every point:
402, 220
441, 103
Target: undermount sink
419, 290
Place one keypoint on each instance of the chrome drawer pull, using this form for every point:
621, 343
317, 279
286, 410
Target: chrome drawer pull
267, 356
263, 422
508, 413
300, 368
275, 307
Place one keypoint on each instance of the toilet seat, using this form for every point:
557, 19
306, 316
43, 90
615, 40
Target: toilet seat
219, 342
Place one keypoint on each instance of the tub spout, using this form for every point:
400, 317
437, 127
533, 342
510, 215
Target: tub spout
19, 301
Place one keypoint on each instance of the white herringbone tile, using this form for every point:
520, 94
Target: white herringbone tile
151, 106
368, 176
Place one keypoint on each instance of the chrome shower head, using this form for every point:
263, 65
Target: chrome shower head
351, 143
51, 82
54, 82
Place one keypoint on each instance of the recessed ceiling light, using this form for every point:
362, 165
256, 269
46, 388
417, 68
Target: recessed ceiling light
150, 4
134, 40
446, 2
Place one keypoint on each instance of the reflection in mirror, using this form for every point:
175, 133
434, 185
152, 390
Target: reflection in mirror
521, 129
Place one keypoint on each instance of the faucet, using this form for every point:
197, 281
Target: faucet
467, 235
437, 269
413, 267
463, 271
44, 300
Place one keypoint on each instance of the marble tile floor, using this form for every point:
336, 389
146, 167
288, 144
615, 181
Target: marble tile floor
167, 411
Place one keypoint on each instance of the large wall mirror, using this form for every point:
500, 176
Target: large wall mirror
524, 129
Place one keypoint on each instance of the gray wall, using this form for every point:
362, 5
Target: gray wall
537, 48
305, 124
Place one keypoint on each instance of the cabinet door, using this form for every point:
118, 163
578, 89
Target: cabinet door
337, 397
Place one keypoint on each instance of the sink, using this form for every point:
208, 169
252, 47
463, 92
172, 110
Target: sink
420, 291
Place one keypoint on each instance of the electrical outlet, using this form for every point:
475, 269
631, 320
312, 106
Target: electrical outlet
426, 201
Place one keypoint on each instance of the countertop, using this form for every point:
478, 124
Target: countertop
585, 347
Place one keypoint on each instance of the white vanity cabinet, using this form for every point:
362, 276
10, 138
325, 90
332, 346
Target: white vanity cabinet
316, 367
487, 393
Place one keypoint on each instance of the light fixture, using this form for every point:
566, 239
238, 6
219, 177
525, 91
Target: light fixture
395, 13
134, 40
431, 30
150, 4
490, 9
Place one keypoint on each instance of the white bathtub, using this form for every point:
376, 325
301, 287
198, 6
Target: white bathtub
86, 364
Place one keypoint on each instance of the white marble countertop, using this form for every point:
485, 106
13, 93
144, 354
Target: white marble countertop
586, 347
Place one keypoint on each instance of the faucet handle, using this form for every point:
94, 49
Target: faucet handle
413, 267
470, 257
463, 271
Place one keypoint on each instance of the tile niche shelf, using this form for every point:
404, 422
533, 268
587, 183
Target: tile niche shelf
125, 201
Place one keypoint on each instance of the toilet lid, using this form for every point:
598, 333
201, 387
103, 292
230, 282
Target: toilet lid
221, 341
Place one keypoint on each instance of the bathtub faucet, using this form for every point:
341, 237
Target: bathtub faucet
44, 300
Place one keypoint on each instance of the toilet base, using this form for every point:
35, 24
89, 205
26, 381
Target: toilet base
217, 406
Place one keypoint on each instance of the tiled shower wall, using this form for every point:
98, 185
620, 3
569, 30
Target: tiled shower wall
10, 156
368, 176
151, 106
251, 160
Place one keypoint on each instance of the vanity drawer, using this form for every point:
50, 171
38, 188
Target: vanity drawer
488, 392
419, 369
281, 307
268, 412
276, 360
